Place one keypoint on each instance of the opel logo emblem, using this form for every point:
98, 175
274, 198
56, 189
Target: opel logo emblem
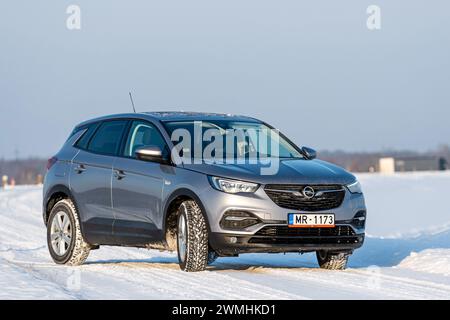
308, 192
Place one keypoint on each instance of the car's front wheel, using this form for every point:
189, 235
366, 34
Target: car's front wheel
192, 237
64, 239
332, 260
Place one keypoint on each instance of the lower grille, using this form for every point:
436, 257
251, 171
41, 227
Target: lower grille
285, 231
286, 235
311, 241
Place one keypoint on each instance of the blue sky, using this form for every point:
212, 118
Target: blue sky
310, 68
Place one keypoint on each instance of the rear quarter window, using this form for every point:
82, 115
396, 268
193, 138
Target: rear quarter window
83, 141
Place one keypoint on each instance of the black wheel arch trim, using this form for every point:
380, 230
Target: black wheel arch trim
188, 193
61, 189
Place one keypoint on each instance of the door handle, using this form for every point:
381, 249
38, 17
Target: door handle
80, 168
119, 174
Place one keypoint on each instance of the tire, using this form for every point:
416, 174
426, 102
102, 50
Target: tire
192, 237
75, 249
332, 260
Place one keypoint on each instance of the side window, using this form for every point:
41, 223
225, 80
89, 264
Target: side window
142, 134
107, 138
84, 139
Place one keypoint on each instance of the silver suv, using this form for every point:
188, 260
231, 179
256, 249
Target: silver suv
122, 180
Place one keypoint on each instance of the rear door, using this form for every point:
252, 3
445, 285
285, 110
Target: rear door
90, 180
137, 188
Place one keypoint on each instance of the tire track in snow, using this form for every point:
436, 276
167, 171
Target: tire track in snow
419, 286
36, 284
207, 284
378, 285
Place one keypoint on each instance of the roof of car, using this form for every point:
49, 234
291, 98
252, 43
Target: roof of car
189, 115
173, 116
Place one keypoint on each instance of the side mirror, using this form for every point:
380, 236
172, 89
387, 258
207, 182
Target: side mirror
151, 154
309, 153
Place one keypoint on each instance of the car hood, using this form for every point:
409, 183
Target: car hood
295, 171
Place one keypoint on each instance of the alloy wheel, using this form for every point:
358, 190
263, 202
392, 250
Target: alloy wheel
182, 237
61, 233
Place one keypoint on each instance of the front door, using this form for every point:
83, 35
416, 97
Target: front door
137, 188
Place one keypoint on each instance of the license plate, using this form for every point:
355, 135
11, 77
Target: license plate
308, 220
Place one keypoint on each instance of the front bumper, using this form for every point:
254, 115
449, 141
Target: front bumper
217, 203
229, 241
275, 238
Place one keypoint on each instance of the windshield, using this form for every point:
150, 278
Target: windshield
230, 138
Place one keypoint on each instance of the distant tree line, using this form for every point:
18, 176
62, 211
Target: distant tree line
368, 161
23, 171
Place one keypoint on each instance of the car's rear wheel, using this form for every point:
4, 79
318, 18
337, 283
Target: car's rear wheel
192, 237
332, 260
64, 239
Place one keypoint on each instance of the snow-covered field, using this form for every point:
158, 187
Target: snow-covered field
406, 256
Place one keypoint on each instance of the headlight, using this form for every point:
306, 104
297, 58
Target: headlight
354, 187
233, 186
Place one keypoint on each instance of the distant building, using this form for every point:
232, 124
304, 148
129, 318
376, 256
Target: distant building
417, 163
386, 165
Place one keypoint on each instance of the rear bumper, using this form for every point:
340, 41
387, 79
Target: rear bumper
283, 240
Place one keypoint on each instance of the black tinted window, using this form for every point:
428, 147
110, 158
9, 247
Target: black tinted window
84, 139
107, 138
142, 134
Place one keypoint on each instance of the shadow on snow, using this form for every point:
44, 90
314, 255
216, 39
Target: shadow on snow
375, 251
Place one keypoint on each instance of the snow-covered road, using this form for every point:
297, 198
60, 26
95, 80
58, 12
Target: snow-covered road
406, 256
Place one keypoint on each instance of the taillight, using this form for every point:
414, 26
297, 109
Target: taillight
51, 162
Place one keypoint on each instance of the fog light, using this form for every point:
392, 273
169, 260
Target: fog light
232, 239
236, 220
359, 220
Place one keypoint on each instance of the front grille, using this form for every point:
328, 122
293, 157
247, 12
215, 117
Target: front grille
286, 235
290, 196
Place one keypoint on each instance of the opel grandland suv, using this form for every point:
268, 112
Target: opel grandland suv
122, 180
